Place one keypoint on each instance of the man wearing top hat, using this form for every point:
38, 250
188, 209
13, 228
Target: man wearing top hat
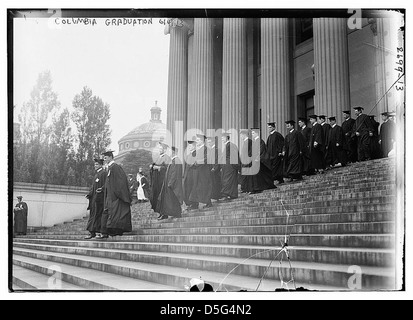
294, 148
202, 189
336, 145
275, 145
157, 173
351, 142
96, 199
171, 196
387, 134
316, 145
362, 130
20, 217
229, 166
116, 217
262, 180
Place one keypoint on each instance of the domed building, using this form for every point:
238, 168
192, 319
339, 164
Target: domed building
146, 136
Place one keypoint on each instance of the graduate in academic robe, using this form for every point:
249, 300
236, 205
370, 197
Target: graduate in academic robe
316, 145
171, 196
247, 175
275, 145
351, 142
158, 170
294, 148
326, 129
96, 198
363, 131
202, 189
117, 200
229, 166
21, 211
262, 180
213, 146
306, 132
189, 175
132, 185
336, 145
387, 135
374, 139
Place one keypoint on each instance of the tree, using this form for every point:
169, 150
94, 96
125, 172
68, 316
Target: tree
90, 117
136, 159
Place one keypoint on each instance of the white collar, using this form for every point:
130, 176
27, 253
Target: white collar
99, 170
272, 131
256, 138
334, 125
323, 123
291, 130
110, 163
303, 127
174, 157
246, 139
227, 142
200, 146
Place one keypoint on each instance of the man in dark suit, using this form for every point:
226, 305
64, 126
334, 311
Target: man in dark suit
387, 134
306, 132
294, 148
336, 145
275, 145
363, 131
326, 129
316, 145
351, 142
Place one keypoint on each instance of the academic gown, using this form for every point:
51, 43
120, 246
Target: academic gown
215, 174
275, 145
387, 137
263, 179
247, 176
294, 148
317, 152
117, 201
326, 130
363, 126
20, 218
171, 196
374, 141
202, 189
96, 204
336, 146
306, 132
229, 164
189, 177
158, 177
351, 142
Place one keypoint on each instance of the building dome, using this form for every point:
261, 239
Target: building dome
146, 136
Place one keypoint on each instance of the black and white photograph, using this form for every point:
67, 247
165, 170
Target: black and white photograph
223, 150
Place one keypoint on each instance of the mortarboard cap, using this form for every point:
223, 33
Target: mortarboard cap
302, 119
322, 117
108, 153
244, 131
19, 197
174, 149
332, 118
385, 113
347, 111
358, 108
314, 116
272, 124
392, 114
201, 136
225, 134
164, 145
290, 122
256, 129
98, 160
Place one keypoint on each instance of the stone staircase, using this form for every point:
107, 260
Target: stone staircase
333, 221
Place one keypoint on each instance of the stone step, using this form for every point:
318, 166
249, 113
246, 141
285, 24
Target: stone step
247, 219
27, 280
311, 273
146, 252
78, 278
314, 240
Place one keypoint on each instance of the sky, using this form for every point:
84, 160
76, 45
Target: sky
125, 65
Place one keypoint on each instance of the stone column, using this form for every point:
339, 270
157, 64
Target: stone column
203, 100
275, 74
234, 75
177, 82
331, 67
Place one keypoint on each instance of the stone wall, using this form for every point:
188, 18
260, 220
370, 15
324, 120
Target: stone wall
51, 204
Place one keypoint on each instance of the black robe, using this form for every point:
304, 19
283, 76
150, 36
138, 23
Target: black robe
215, 174
317, 152
229, 164
189, 177
202, 188
375, 151
387, 137
275, 145
117, 202
306, 132
157, 178
21, 211
171, 196
363, 126
263, 179
96, 205
294, 148
247, 174
336, 146
351, 142
326, 130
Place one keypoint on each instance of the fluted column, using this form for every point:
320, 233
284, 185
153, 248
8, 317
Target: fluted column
234, 74
177, 82
275, 73
331, 68
203, 76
